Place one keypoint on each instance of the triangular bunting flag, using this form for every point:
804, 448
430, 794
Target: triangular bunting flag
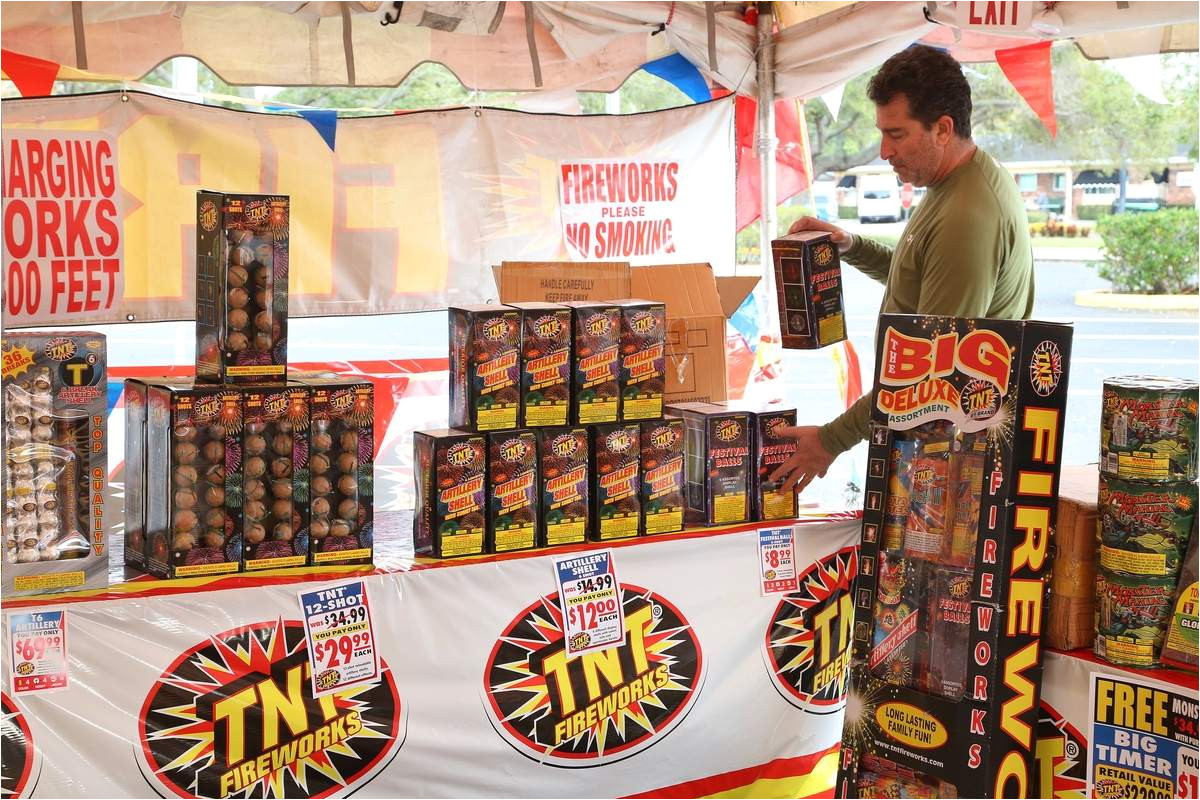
33, 77
1028, 70
324, 120
681, 73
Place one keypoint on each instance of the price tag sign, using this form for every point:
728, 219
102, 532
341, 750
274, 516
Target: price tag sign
39, 651
777, 560
341, 644
591, 602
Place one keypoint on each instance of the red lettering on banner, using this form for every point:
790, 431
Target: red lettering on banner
612, 209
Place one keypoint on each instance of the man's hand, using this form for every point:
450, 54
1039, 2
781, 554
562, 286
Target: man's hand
811, 459
840, 237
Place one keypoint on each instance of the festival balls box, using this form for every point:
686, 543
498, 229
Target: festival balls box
564, 455
596, 370
55, 412
193, 484
616, 485
643, 358
719, 472
485, 367
276, 484
341, 449
663, 486
545, 364
966, 440
241, 287
513, 496
808, 285
451, 482
769, 450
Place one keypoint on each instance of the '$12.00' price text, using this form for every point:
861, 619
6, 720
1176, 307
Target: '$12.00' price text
586, 616
339, 650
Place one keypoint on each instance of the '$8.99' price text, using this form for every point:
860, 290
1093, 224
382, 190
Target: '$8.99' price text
586, 616
339, 650
774, 558
29, 649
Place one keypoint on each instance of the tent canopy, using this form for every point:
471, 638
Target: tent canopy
524, 46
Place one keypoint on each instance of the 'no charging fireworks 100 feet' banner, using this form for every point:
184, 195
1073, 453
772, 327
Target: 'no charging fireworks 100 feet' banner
406, 214
208, 693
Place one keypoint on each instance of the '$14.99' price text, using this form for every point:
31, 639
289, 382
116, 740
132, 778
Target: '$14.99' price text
29, 649
339, 650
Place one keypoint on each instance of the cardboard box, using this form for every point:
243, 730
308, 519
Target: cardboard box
513, 496
616, 481
643, 334
564, 457
55, 407
546, 384
719, 473
451, 478
275, 512
193, 480
1071, 619
241, 287
341, 446
485, 367
663, 485
697, 304
954, 382
596, 362
808, 285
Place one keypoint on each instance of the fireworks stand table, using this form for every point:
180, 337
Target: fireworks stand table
201, 687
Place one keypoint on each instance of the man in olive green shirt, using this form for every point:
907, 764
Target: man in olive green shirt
965, 251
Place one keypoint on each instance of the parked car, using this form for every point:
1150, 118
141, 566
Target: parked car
879, 198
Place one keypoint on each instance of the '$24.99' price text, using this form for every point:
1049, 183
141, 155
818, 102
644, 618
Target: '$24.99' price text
339, 650
29, 649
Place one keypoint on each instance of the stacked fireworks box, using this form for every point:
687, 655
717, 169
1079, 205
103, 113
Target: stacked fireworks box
556, 432
1146, 512
241, 468
965, 444
55, 414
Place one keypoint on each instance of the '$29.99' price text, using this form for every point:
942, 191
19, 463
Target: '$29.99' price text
339, 650
29, 649
586, 616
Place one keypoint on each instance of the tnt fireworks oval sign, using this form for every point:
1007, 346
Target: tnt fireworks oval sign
807, 646
234, 716
16, 765
592, 708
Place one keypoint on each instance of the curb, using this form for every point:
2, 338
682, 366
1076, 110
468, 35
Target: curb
1105, 298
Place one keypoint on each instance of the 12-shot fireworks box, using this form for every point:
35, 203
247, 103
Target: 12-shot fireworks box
596, 371
565, 486
341, 444
663, 485
451, 478
718, 470
241, 287
194, 483
513, 496
485, 367
545, 364
770, 450
276, 481
616, 484
962, 476
643, 358
808, 282
55, 410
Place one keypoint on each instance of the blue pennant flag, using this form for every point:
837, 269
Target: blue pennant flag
324, 120
681, 73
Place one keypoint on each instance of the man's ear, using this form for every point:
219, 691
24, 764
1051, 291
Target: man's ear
943, 129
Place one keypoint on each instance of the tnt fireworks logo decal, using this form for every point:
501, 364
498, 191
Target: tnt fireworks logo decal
234, 716
1061, 756
807, 647
592, 708
17, 753
728, 430
1045, 368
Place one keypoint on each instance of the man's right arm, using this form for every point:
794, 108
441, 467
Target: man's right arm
872, 258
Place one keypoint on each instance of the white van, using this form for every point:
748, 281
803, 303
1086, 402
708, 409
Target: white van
879, 198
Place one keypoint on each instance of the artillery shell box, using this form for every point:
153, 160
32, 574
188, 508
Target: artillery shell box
513, 496
485, 367
718, 472
596, 331
276, 482
808, 284
663, 486
565, 485
241, 287
545, 364
616, 481
643, 358
451, 477
961, 497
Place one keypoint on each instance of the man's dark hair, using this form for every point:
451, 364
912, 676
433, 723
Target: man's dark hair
932, 81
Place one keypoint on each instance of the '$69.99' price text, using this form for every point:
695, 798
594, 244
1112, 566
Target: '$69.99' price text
586, 616
339, 650
29, 649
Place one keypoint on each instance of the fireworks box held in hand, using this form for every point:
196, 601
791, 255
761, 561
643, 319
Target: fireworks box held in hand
808, 283
241, 287
563, 454
616, 481
545, 364
485, 367
643, 358
276, 484
513, 496
55, 461
719, 474
962, 481
451, 483
663, 486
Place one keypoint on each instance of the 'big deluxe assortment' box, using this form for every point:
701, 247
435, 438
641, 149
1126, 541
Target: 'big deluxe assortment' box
962, 477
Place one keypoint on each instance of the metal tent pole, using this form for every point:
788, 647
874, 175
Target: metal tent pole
766, 142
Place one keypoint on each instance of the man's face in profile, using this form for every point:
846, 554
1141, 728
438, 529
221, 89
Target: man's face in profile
912, 149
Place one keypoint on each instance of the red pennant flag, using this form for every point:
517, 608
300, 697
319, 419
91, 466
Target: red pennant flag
854, 384
33, 77
790, 155
1028, 70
